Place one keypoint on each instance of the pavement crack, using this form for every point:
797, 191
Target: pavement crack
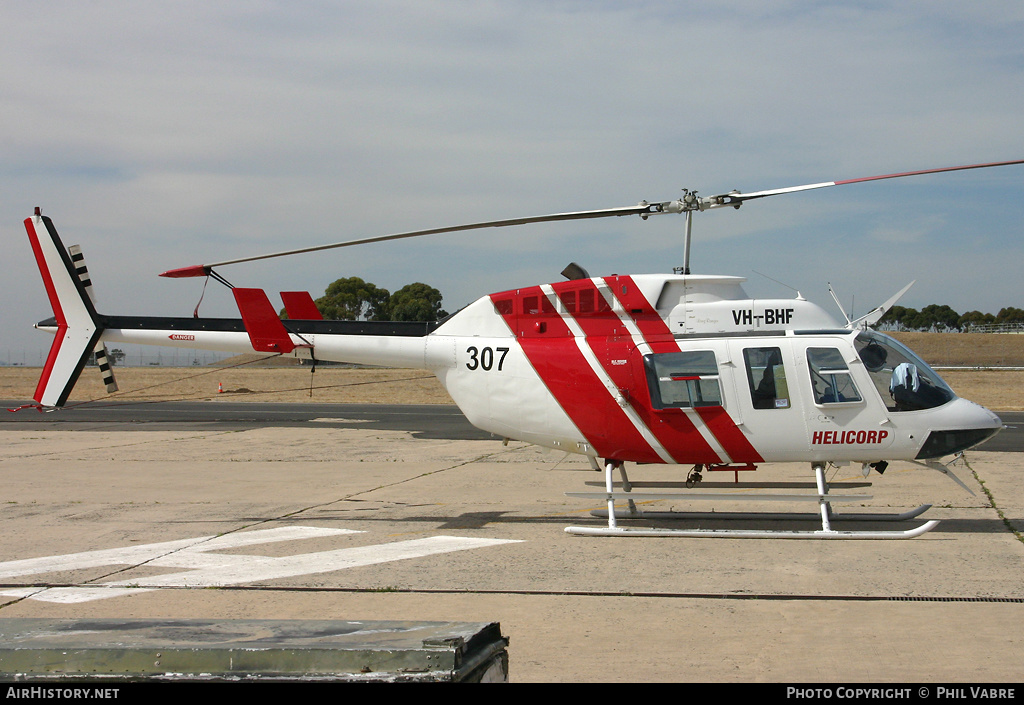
109, 446
992, 503
361, 493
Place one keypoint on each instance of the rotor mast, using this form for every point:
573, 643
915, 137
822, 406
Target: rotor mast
686, 205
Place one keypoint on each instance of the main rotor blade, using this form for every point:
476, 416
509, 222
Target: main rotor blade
641, 209
735, 198
690, 202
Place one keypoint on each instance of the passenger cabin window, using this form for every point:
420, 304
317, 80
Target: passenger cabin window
583, 301
683, 380
830, 377
586, 301
533, 305
503, 306
767, 378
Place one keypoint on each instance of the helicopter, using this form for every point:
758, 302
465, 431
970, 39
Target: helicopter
681, 369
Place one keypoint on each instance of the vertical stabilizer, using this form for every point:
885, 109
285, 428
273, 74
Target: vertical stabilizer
77, 330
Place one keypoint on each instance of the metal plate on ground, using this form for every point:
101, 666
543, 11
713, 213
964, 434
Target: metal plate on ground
279, 650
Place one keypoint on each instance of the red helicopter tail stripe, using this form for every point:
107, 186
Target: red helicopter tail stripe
58, 311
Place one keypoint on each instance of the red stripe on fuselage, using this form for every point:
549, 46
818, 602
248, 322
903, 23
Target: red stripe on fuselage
551, 348
612, 344
658, 336
729, 435
569, 377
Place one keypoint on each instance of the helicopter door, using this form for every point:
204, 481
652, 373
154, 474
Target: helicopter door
691, 409
764, 386
683, 380
844, 422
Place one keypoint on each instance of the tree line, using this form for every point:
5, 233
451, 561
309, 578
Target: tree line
352, 299
938, 317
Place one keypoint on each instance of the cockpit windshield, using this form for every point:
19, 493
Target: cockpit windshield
902, 379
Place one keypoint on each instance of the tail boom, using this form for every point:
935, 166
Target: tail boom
331, 341
79, 330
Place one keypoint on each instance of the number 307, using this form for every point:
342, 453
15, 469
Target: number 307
484, 359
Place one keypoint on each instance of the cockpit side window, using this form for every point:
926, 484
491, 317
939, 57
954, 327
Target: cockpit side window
683, 379
766, 376
830, 377
900, 377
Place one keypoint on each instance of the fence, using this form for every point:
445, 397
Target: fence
997, 328
173, 357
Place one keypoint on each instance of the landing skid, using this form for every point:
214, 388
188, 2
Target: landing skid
824, 515
767, 516
741, 534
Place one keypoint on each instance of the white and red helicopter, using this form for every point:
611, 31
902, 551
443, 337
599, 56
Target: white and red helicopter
681, 369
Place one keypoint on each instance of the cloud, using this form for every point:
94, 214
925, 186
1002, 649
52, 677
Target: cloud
163, 135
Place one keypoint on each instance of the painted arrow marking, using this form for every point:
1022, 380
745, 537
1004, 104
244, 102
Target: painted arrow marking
202, 568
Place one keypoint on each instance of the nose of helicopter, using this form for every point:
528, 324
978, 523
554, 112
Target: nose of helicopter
957, 426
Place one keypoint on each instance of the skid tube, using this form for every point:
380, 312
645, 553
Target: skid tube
822, 497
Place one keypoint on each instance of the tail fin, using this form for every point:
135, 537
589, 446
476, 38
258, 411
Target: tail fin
78, 332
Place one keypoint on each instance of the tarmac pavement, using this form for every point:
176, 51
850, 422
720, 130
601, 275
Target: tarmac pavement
363, 523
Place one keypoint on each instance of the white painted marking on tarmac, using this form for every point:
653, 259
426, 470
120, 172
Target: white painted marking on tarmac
205, 569
336, 420
132, 555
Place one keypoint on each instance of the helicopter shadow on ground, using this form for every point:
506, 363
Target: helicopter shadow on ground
474, 520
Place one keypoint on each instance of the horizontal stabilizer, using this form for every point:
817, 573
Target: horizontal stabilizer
266, 332
300, 306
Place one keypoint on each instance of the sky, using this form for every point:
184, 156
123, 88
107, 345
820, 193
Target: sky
161, 135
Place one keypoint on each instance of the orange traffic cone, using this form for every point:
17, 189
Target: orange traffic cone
220, 388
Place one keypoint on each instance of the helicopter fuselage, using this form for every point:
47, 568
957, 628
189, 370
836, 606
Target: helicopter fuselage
683, 369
